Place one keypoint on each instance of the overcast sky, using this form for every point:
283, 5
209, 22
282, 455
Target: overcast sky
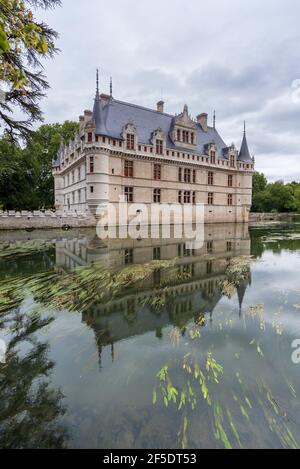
234, 56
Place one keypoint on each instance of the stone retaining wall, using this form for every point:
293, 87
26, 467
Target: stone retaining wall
44, 220
270, 217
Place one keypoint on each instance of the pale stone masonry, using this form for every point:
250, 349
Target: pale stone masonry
149, 156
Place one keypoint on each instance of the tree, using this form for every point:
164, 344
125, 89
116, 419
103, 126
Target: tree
277, 196
259, 186
259, 182
26, 181
42, 149
23, 42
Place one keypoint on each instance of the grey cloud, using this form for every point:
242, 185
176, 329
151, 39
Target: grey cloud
236, 57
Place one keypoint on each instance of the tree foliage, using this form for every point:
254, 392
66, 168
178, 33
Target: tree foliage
275, 197
26, 181
24, 41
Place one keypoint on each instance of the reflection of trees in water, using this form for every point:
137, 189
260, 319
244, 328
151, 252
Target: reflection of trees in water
29, 408
274, 241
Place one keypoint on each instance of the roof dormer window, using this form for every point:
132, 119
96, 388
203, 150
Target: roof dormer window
129, 135
159, 147
185, 136
183, 130
130, 142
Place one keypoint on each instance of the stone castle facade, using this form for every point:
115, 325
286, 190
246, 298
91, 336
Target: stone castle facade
148, 156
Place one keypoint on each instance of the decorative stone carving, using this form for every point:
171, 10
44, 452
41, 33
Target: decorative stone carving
158, 134
129, 128
182, 123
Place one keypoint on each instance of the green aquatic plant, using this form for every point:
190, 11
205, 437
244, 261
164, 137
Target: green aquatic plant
198, 379
234, 402
78, 289
23, 249
237, 271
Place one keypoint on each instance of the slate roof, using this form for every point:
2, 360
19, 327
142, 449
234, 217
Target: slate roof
118, 113
244, 154
111, 117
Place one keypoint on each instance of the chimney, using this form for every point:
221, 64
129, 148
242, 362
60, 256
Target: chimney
202, 120
105, 98
160, 106
87, 116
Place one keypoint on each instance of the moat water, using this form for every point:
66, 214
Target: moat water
106, 348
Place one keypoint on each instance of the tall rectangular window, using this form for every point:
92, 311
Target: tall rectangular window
156, 254
210, 247
210, 198
91, 164
210, 180
209, 266
192, 138
156, 196
213, 157
128, 192
178, 135
180, 197
187, 197
180, 174
90, 137
159, 147
187, 175
130, 141
128, 256
230, 180
194, 197
157, 172
194, 176
128, 168
185, 136
230, 199
232, 161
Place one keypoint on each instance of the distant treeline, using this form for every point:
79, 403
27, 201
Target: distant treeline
276, 196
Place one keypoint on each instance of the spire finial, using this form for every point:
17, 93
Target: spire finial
97, 81
214, 123
111, 87
244, 127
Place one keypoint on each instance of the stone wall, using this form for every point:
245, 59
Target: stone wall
270, 217
44, 220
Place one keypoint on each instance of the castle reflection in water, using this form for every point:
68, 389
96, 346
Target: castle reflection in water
194, 293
